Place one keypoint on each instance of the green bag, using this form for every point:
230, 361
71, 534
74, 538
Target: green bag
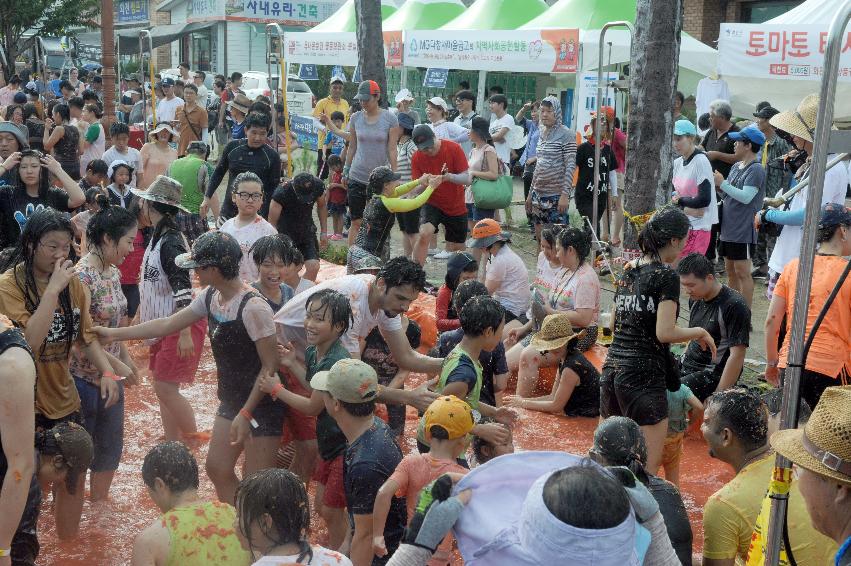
493, 195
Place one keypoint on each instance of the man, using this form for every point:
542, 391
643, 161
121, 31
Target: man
822, 457
735, 428
776, 180
446, 205
192, 173
248, 154
191, 532
137, 108
372, 454
404, 105
679, 100
744, 191
722, 312
184, 69
67, 91
465, 103
12, 139
719, 150
232, 89
501, 124
96, 87
203, 92
7, 93
167, 107
334, 102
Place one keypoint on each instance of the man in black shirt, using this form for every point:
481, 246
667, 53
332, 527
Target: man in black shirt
723, 313
291, 212
719, 149
249, 154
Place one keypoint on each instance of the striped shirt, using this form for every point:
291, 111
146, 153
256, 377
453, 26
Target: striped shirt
556, 161
165, 287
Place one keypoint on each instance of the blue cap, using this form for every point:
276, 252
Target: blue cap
168, 81
684, 128
751, 134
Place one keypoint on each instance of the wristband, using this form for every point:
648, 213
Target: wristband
274, 393
247, 416
5, 552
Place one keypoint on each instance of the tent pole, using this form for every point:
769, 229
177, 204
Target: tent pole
792, 382
403, 77
480, 96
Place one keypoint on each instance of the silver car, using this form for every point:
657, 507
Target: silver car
300, 99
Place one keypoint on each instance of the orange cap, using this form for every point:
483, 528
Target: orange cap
486, 228
608, 112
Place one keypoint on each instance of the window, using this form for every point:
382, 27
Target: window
764, 10
297, 86
250, 83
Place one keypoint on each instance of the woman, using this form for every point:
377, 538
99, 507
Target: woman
273, 514
378, 216
576, 390
157, 155
461, 267
694, 186
74, 79
41, 294
15, 115
191, 119
63, 140
828, 362
35, 126
485, 165
436, 112
31, 191
576, 292
640, 366
94, 142
109, 238
618, 441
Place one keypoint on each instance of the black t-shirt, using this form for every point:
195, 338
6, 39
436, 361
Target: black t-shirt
640, 290
713, 142
14, 201
370, 460
329, 438
674, 513
585, 399
296, 219
237, 157
585, 166
727, 318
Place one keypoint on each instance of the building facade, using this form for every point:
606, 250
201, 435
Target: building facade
702, 18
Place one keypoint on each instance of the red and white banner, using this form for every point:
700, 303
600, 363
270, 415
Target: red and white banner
778, 52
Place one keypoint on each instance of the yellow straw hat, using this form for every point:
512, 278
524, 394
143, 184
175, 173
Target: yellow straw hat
802, 121
555, 332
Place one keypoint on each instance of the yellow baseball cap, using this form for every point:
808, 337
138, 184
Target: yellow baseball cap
450, 413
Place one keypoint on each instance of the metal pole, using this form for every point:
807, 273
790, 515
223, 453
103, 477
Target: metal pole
142, 34
792, 382
269, 29
598, 119
283, 82
108, 62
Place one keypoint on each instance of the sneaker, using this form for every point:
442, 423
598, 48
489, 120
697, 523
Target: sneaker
719, 267
335, 237
758, 273
443, 255
432, 251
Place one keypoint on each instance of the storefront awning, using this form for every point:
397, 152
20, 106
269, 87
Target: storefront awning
128, 39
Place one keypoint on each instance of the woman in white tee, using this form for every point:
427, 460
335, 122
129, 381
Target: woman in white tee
694, 188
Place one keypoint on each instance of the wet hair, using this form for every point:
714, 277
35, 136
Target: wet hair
174, 464
167, 222
271, 247
98, 167
744, 413
550, 233
578, 239
247, 177
336, 305
668, 223
43, 177
480, 445
257, 120
110, 221
76, 102
42, 222
115, 169
281, 495
337, 115
703, 121
586, 497
334, 160
697, 265
466, 290
358, 409
92, 194
620, 442
118, 128
401, 271
297, 256
64, 112
95, 109
479, 314
773, 400
71, 442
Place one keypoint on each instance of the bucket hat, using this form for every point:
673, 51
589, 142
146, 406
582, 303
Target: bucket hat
162, 126
555, 332
164, 190
241, 103
10, 128
486, 233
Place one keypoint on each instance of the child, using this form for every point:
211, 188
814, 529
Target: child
270, 254
680, 403
293, 268
485, 451
328, 316
333, 144
80, 220
120, 182
576, 391
119, 132
461, 267
448, 421
248, 226
336, 196
96, 174
291, 212
131, 267
242, 337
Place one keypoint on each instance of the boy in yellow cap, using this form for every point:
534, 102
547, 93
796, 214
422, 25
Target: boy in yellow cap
448, 422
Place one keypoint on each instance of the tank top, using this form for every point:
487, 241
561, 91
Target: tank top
157, 296
66, 150
203, 535
585, 399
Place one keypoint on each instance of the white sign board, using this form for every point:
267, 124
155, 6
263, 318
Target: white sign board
586, 97
337, 48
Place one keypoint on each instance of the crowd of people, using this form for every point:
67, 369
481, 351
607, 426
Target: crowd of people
105, 246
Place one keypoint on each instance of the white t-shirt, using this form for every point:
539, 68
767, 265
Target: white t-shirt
167, 109
321, 557
788, 245
246, 236
356, 288
256, 316
546, 279
687, 178
513, 292
708, 91
502, 149
133, 157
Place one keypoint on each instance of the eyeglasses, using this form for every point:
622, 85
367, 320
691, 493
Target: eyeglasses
249, 196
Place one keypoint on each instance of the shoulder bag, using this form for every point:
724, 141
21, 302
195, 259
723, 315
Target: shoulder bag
492, 195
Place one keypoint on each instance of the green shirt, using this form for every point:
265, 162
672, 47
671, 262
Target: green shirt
203, 535
458, 366
329, 438
186, 172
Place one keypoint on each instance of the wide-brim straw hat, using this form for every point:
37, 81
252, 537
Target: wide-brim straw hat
164, 190
802, 121
824, 445
163, 126
555, 332
241, 103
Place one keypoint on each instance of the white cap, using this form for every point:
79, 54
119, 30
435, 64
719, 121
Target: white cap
404, 94
438, 101
337, 79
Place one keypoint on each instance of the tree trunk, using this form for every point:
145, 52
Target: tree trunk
653, 78
108, 62
371, 44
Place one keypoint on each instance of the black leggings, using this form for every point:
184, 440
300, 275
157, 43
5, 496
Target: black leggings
813, 385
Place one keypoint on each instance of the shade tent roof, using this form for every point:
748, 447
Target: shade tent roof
424, 15
345, 19
497, 14
811, 12
583, 14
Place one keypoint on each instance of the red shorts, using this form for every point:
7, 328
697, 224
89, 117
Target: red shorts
297, 426
330, 474
166, 365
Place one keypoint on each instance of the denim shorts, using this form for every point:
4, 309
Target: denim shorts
475, 214
105, 425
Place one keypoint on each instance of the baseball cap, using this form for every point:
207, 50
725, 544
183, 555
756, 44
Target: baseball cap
608, 112
451, 414
19, 98
367, 89
168, 81
439, 102
216, 249
381, 175
336, 79
684, 128
404, 94
834, 214
423, 136
348, 380
750, 133
406, 121
766, 113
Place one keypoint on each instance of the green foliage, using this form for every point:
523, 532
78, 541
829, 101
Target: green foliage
335, 254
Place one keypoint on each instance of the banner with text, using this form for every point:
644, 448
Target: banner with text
778, 52
284, 12
332, 48
531, 51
